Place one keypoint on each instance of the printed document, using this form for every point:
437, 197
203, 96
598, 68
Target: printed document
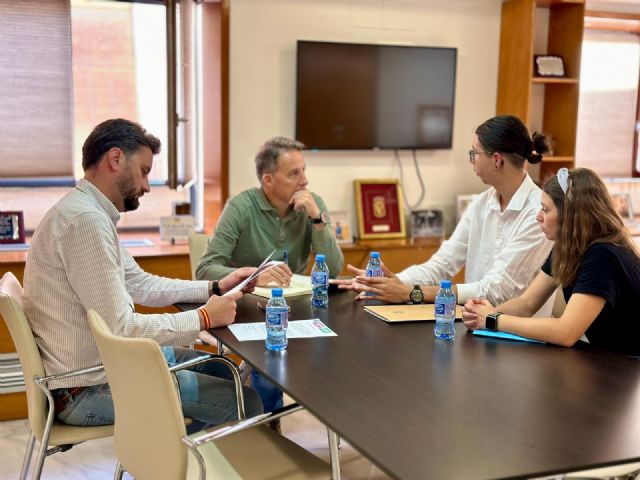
296, 329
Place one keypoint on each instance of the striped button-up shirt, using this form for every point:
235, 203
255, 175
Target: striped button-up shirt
76, 263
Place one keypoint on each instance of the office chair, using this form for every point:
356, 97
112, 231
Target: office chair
627, 471
52, 435
150, 436
197, 246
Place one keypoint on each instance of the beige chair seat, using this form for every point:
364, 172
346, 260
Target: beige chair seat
62, 434
625, 471
258, 453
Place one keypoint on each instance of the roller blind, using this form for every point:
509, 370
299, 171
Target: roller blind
36, 90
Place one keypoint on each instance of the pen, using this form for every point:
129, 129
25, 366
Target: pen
285, 257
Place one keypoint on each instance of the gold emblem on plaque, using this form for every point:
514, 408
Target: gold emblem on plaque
379, 207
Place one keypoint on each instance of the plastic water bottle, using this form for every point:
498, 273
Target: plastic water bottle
319, 282
277, 319
373, 268
445, 306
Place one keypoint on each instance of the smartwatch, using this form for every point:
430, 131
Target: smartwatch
416, 296
215, 288
491, 322
321, 219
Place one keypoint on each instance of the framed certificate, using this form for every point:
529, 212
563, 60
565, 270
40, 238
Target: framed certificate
11, 227
379, 208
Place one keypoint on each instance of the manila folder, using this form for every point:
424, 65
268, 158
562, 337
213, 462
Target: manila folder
407, 313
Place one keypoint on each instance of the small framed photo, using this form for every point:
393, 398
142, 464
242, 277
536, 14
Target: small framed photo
341, 226
462, 202
379, 208
176, 228
622, 204
11, 227
548, 66
427, 223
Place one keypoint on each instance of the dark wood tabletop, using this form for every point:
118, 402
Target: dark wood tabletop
472, 408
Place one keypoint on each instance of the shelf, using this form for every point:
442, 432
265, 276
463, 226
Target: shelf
557, 159
551, 3
554, 80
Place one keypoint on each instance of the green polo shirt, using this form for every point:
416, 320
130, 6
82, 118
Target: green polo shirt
250, 228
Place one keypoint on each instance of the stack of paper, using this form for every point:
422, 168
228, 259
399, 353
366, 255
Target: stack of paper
300, 285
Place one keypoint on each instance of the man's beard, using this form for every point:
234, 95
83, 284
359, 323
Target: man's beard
130, 198
131, 203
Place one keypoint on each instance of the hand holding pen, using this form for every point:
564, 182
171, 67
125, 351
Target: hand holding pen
278, 276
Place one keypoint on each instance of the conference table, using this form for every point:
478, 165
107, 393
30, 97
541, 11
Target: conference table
475, 407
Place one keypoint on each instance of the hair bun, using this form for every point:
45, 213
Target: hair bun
540, 146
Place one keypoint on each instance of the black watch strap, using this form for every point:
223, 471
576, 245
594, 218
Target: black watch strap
215, 288
322, 218
491, 322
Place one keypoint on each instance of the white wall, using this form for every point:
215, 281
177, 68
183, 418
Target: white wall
262, 87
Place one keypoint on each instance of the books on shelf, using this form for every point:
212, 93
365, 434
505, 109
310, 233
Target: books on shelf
300, 285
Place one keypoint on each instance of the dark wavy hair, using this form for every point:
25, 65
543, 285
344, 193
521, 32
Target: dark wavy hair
507, 135
586, 214
124, 134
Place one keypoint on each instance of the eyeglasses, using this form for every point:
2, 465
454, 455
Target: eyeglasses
473, 153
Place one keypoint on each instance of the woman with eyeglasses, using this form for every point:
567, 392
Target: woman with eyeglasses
497, 240
594, 260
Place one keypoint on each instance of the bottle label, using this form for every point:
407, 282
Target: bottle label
320, 278
444, 307
277, 317
374, 272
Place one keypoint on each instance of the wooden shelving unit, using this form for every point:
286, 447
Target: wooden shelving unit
517, 80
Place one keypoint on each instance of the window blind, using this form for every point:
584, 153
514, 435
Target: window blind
36, 89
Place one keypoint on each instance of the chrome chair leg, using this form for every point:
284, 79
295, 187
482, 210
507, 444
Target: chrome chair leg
119, 473
334, 455
28, 455
44, 443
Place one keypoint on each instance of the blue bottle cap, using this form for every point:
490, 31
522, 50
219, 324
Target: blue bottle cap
375, 254
445, 283
276, 292
319, 257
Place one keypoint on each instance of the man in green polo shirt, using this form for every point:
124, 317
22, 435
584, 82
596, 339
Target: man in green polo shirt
281, 215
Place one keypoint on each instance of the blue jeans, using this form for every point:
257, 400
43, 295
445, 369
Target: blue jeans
270, 395
207, 393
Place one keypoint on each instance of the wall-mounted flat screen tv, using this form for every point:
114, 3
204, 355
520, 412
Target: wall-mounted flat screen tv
354, 96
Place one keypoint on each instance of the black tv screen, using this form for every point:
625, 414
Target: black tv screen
353, 96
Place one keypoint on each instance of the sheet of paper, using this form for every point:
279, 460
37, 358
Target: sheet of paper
296, 329
263, 267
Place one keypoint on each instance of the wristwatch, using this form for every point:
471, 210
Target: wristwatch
215, 288
491, 322
321, 219
416, 296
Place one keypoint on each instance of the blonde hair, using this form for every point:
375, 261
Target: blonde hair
586, 215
